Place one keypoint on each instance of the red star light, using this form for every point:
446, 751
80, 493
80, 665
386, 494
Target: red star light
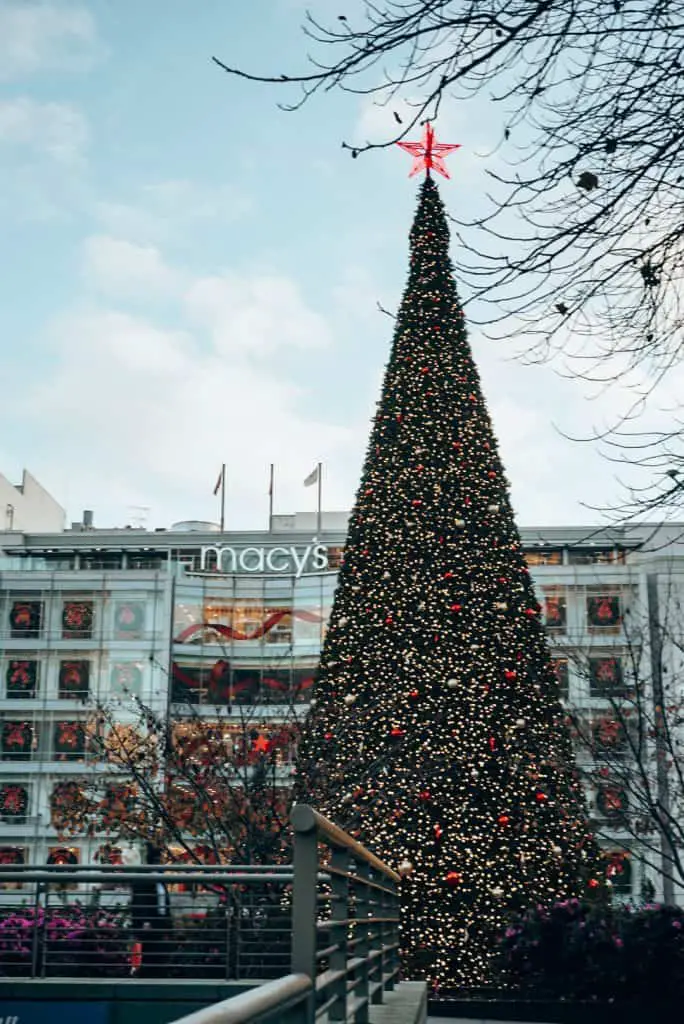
428, 154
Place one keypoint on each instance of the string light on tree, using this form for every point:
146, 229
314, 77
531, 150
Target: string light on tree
436, 630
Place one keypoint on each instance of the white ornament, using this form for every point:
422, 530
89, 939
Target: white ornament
386, 575
556, 850
459, 522
349, 698
405, 868
312, 702
452, 683
474, 774
501, 606
342, 621
520, 723
493, 508
497, 892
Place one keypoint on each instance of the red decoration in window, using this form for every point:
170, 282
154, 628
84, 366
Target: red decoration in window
604, 610
26, 619
22, 678
74, 679
13, 800
77, 620
17, 739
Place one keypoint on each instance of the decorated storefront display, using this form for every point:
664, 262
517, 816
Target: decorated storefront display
12, 856
611, 802
69, 741
609, 737
77, 620
126, 679
70, 807
26, 619
618, 868
604, 611
63, 856
22, 679
74, 679
560, 667
17, 740
555, 612
129, 620
14, 801
605, 676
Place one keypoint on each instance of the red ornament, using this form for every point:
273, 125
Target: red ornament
425, 369
492, 743
540, 797
453, 878
530, 612
419, 468
396, 732
424, 794
389, 620
510, 674
503, 819
414, 694
327, 736
398, 417
416, 502
439, 831
428, 154
455, 444
593, 883
456, 607
448, 575
491, 474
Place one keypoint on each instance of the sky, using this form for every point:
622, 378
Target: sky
189, 276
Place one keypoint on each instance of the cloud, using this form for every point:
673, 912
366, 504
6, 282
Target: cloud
160, 211
56, 130
40, 36
255, 314
119, 268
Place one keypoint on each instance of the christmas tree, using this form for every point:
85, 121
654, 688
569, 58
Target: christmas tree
436, 736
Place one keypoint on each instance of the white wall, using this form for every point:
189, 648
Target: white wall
28, 508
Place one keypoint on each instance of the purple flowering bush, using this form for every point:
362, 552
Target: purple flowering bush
64, 942
583, 952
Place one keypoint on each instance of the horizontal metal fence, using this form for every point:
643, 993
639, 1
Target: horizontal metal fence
204, 922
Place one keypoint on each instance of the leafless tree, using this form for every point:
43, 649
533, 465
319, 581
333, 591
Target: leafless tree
630, 742
213, 788
581, 240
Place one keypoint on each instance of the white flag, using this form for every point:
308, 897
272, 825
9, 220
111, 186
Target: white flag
312, 478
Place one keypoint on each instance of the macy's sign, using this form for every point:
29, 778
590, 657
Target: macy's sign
295, 560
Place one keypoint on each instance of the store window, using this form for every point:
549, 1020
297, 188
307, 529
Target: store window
69, 740
612, 803
544, 556
64, 856
18, 740
21, 679
610, 738
604, 612
77, 620
560, 667
26, 619
618, 870
555, 610
12, 856
126, 679
14, 802
129, 620
606, 676
74, 680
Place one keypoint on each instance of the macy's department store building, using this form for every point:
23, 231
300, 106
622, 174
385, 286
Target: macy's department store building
235, 621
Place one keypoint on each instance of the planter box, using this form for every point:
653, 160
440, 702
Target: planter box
554, 1012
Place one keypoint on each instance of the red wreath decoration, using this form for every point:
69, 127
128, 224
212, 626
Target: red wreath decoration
13, 800
611, 801
69, 740
12, 855
25, 618
604, 610
129, 618
127, 677
17, 737
21, 678
77, 620
554, 611
62, 856
74, 678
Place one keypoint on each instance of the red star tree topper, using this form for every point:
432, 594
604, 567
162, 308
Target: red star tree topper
428, 154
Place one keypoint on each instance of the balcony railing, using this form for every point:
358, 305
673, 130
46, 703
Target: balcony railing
324, 930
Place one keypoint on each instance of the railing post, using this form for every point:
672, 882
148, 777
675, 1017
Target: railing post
339, 931
380, 909
391, 961
363, 910
305, 898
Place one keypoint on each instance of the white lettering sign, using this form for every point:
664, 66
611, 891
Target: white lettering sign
295, 560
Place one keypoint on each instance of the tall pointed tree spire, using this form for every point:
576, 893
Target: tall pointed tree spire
437, 735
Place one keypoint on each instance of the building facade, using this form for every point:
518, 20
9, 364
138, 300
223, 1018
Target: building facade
224, 622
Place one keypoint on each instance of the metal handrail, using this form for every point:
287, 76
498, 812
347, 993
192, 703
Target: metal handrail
306, 819
282, 994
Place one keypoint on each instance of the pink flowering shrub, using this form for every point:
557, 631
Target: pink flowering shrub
65, 941
591, 952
